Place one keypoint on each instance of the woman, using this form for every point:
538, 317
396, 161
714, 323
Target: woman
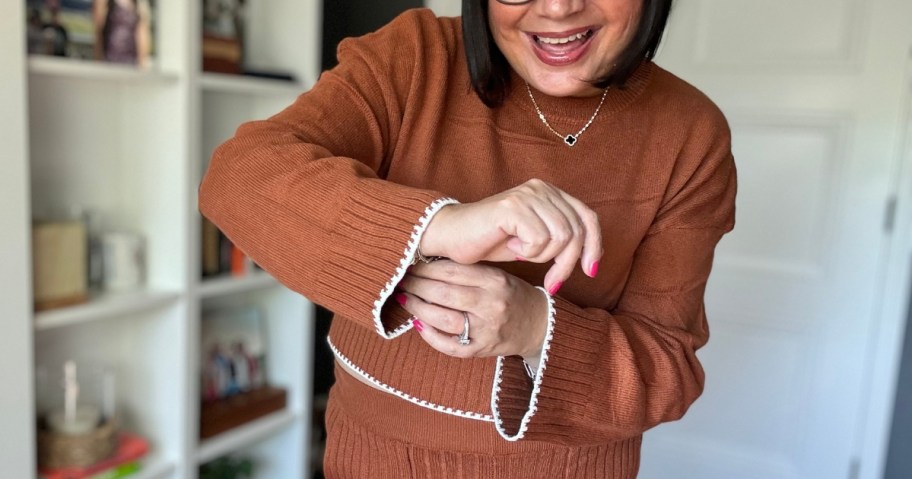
577, 192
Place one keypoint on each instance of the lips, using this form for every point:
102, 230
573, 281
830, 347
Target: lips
561, 48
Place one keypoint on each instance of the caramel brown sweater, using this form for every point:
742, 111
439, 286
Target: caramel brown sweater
331, 195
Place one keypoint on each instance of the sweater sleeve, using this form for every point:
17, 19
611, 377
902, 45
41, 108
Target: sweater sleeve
303, 193
612, 374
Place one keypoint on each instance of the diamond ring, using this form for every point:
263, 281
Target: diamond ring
464, 336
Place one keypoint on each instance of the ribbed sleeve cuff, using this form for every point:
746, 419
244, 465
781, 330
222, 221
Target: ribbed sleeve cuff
559, 386
389, 225
514, 401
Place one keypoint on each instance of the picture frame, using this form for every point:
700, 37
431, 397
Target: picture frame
233, 350
117, 31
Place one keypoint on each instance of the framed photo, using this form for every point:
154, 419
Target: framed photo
233, 348
117, 31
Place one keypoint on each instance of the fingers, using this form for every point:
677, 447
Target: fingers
445, 343
533, 222
445, 292
442, 318
592, 246
449, 272
563, 229
508, 316
573, 233
569, 243
439, 326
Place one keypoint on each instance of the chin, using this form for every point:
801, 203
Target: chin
565, 87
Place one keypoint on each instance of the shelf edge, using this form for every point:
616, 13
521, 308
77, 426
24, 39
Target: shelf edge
224, 83
103, 308
94, 70
223, 286
244, 436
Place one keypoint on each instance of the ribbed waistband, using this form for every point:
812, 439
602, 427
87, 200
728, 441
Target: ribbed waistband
422, 431
400, 420
397, 419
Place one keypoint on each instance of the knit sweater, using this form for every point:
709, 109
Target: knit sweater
332, 194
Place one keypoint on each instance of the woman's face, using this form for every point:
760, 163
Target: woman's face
560, 46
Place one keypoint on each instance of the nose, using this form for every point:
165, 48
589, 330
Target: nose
559, 8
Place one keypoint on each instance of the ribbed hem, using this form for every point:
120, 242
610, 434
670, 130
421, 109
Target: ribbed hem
387, 221
571, 356
374, 434
509, 392
411, 251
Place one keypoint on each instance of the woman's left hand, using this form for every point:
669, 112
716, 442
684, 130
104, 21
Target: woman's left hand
507, 316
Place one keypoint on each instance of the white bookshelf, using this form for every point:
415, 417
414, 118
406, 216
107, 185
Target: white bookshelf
105, 306
132, 144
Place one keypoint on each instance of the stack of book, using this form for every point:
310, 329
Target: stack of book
125, 462
221, 54
220, 256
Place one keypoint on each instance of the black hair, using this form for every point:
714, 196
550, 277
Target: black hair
490, 71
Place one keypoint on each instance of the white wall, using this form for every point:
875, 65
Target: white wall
445, 8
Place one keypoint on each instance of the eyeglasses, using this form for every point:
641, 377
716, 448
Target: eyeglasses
514, 2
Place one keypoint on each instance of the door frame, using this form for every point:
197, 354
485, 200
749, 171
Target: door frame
886, 338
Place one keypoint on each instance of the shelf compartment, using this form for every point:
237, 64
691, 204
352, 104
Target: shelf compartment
228, 285
154, 468
105, 306
244, 436
219, 82
95, 70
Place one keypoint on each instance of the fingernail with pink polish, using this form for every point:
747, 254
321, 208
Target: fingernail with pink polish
401, 299
418, 324
593, 270
555, 287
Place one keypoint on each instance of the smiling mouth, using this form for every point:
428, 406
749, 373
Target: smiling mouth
580, 37
564, 48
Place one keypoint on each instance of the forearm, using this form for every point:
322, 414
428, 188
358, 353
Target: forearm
614, 374
326, 227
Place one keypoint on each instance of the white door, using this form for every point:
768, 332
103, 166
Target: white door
813, 90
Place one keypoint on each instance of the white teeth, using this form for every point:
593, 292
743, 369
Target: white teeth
558, 41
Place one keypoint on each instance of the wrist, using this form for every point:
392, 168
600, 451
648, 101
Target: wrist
540, 314
431, 243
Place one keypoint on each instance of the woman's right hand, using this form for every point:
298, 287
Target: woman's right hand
534, 222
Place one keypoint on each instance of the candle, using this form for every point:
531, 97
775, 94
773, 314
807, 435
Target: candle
107, 396
75, 418
70, 391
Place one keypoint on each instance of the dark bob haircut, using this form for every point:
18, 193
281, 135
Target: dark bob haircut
490, 71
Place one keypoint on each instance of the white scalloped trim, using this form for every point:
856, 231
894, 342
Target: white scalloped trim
389, 389
536, 382
406, 261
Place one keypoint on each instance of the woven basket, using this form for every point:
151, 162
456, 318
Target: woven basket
57, 451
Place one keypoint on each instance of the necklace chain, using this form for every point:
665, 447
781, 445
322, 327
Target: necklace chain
569, 139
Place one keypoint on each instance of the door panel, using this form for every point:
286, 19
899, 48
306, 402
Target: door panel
791, 164
797, 34
811, 91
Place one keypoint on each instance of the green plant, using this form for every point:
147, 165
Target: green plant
227, 468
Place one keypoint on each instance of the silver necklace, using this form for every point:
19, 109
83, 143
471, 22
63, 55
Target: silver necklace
569, 139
